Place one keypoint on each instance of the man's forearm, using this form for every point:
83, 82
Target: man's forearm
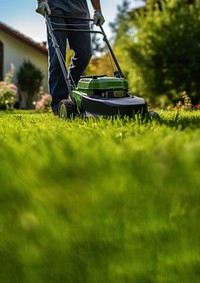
98, 17
96, 4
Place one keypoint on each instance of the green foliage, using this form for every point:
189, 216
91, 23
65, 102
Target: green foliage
102, 65
99, 200
165, 51
8, 92
122, 30
120, 26
29, 77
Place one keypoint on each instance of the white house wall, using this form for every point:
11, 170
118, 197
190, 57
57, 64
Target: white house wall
15, 52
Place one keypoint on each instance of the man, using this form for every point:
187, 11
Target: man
79, 42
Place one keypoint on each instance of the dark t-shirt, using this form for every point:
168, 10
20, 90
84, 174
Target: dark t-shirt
74, 8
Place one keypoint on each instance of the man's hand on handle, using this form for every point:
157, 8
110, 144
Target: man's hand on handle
98, 17
42, 7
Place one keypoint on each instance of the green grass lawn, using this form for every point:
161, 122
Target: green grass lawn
99, 201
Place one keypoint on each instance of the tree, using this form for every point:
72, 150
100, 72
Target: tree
120, 26
122, 31
29, 80
165, 52
103, 65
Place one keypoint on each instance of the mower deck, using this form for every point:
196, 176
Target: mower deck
105, 107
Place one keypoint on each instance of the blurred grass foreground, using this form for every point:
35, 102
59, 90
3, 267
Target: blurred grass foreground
94, 201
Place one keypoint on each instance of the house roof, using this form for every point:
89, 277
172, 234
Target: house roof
24, 39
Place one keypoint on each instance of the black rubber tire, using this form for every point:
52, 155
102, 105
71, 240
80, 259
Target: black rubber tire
153, 114
67, 109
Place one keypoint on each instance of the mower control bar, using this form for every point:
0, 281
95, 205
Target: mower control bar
102, 32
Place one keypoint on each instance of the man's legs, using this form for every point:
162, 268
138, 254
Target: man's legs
80, 43
57, 84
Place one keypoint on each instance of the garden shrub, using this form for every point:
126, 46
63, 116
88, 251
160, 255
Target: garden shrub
29, 79
43, 102
8, 92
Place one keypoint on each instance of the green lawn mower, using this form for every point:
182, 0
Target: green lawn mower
97, 95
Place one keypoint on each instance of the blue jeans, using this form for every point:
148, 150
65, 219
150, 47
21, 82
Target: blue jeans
80, 43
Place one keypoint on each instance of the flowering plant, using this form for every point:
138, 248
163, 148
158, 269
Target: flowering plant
8, 92
44, 100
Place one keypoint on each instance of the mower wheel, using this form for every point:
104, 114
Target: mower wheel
67, 109
153, 114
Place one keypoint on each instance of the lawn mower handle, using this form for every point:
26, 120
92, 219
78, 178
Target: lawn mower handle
60, 57
102, 32
61, 60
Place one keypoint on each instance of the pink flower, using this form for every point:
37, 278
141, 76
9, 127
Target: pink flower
44, 103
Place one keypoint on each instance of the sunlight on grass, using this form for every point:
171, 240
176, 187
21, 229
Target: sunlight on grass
99, 200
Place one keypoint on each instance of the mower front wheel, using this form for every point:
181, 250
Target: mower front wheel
153, 114
67, 109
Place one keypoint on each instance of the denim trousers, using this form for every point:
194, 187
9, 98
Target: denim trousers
80, 43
